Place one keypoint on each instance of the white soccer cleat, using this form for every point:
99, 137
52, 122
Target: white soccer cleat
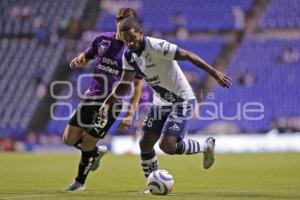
102, 150
208, 154
75, 186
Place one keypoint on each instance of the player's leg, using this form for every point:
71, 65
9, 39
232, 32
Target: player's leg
172, 140
152, 127
74, 130
90, 154
174, 145
72, 135
83, 117
148, 155
77, 137
167, 143
171, 144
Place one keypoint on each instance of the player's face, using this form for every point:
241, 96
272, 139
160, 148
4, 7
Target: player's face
133, 39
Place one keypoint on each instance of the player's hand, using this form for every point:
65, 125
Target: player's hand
222, 79
78, 61
103, 111
125, 123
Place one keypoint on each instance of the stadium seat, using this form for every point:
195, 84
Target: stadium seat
281, 14
273, 84
198, 15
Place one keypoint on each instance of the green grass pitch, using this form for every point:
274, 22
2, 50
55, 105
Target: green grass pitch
242, 176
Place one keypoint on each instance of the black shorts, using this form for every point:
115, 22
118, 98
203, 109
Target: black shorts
86, 116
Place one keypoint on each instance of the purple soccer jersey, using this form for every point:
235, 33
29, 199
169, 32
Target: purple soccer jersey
107, 65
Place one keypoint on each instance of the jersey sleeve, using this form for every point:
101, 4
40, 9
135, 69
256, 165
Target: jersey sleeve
92, 50
164, 49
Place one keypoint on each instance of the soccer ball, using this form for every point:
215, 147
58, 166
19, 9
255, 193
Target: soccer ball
160, 182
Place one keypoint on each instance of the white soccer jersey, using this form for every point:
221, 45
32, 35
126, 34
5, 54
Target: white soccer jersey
156, 63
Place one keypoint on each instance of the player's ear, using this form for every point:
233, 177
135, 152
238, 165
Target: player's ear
138, 30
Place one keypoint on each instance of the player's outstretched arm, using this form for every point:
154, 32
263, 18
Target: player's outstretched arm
90, 53
78, 61
182, 54
119, 91
134, 102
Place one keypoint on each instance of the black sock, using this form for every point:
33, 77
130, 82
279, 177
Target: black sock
149, 162
86, 161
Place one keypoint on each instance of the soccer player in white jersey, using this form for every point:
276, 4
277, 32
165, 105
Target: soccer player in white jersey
173, 100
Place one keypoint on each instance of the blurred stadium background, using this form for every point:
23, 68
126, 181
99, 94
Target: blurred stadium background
256, 42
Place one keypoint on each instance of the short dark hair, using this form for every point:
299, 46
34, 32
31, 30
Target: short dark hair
124, 13
129, 23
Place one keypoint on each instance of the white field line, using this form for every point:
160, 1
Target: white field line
29, 196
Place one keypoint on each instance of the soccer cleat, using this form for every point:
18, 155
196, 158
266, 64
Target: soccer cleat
102, 150
208, 154
75, 186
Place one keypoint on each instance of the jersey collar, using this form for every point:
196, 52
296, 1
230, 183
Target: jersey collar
143, 46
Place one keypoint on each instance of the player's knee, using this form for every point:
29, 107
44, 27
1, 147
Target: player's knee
88, 142
72, 135
67, 140
167, 147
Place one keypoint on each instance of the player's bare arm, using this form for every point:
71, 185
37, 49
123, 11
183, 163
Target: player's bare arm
134, 102
222, 79
78, 61
119, 91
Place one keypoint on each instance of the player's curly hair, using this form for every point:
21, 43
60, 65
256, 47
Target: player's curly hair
124, 13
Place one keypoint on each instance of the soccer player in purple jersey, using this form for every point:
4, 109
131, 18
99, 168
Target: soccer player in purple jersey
86, 127
173, 99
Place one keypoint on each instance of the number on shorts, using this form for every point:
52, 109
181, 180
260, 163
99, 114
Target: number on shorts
100, 122
150, 122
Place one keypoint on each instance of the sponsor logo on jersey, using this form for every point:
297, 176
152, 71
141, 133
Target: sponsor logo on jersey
167, 49
148, 58
109, 61
175, 127
161, 44
155, 80
149, 62
108, 69
103, 46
